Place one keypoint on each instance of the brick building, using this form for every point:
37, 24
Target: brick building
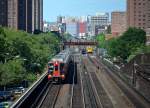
24, 15
118, 23
138, 14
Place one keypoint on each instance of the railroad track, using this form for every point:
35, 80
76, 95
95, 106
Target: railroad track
104, 99
50, 97
90, 93
136, 98
77, 100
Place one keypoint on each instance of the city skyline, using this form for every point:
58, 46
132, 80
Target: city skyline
80, 7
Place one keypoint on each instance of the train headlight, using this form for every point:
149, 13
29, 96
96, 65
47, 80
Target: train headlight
49, 76
63, 76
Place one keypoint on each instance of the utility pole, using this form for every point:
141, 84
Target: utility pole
134, 74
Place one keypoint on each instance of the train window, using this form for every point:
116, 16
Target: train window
61, 66
56, 68
50, 64
50, 67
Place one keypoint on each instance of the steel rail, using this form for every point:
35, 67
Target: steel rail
72, 89
103, 96
82, 86
92, 95
56, 97
78, 97
42, 100
50, 99
137, 99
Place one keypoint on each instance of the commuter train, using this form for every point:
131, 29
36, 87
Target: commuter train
89, 50
58, 66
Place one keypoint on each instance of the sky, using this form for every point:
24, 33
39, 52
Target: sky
54, 8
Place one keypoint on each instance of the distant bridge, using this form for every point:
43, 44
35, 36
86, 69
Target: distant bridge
73, 43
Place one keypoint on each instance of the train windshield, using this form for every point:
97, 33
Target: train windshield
56, 68
50, 67
61, 66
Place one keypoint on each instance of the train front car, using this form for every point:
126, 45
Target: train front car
89, 50
58, 66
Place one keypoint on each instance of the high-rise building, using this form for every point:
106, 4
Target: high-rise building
12, 9
138, 13
82, 28
24, 15
61, 24
3, 13
72, 25
72, 28
118, 23
41, 15
88, 25
99, 23
29, 16
46, 26
59, 19
37, 13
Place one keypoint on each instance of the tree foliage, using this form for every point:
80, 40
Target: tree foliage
11, 72
67, 36
126, 44
140, 50
3, 45
22, 53
101, 40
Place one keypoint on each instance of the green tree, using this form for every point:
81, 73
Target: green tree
11, 72
134, 35
101, 40
23, 54
3, 45
126, 44
67, 36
